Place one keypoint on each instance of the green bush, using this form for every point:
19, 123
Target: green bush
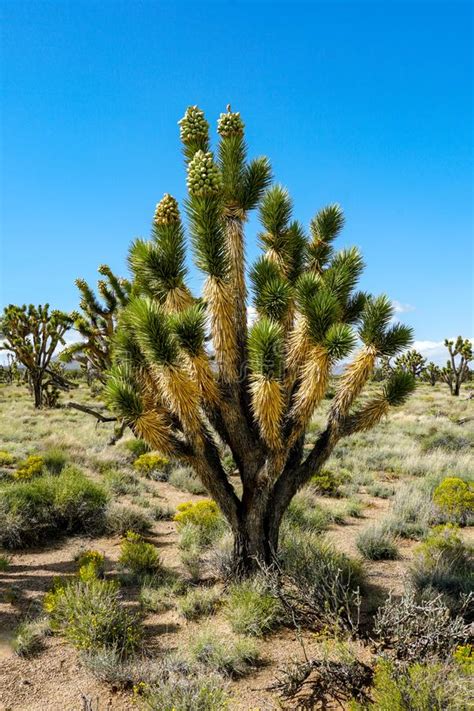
327, 482
4, 563
121, 519
120, 482
151, 465
6, 459
162, 513
185, 479
376, 543
233, 657
327, 582
136, 447
30, 467
455, 498
160, 596
191, 556
91, 565
29, 637
444, 563
54, 460
199, 602
305, 514
204, 516
447, 441
418, 687
91, 616
138, 558
251, 608
177, 692
32, 512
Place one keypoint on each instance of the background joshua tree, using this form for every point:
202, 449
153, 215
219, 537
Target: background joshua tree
33, 333
412, 361
432, 373
96, 325
258, 393
455, 373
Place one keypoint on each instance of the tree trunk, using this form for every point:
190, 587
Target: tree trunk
37, 391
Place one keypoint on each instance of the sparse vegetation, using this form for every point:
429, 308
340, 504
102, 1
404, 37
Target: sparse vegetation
252, 609
377, 543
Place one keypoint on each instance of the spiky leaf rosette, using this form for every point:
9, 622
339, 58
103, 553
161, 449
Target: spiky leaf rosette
324, 229
266, 360
394, 393
379, 340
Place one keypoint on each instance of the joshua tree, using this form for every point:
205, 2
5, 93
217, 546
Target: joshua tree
257, 394
96, 325
432, 373
33, 333
412, 361
454, 374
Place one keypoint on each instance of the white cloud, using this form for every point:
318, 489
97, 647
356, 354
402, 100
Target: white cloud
433, 350
400, 308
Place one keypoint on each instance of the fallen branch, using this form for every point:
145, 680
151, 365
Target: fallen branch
89, 411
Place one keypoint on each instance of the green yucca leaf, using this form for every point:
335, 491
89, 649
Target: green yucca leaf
266, 348
208, 237
375, 319
275, 213
354, 307
340, 340
399, 386
321, 312
297, 250
344, 272
125, 347
395, 339
190, 327
231, 158
152, 330
257, 177
327, 223
107, 295
145, 262
262, 272
122, 394
274, 299
307, 286
120, 287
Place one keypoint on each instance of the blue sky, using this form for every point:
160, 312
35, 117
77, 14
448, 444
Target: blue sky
365, 104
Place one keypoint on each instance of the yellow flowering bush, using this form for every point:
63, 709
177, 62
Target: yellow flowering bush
32, 466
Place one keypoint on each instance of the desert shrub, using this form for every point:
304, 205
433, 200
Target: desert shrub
354, 508
204, 516
29, 637
90, 565
120, 519
137, 557
6, 459
162, 513
324, 583
192, 559
251, 608
120, 482
152, 465
455, 498
377, 543
91, 616
199, 602
30, 467
381, 491
444, 440
185, 479
418, 687
136, 447
233, 657
413, 512
463, 655
327, 482
444, 563
4, 563
31, 512
305, 514
161, 597
325, 682
179, 692
417, 629
55, 460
